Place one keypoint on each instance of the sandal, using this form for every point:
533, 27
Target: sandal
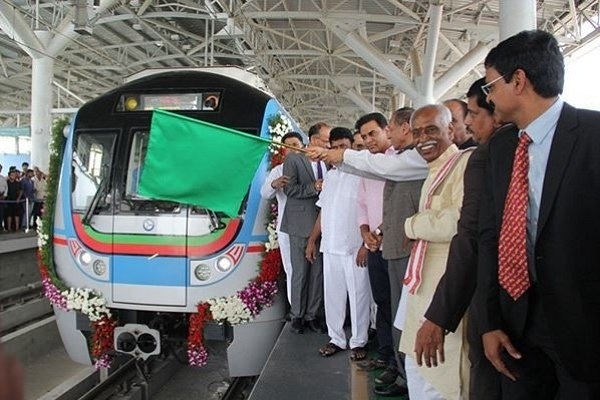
329, 349
358, 353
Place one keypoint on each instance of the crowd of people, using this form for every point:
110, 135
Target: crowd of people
471, 226
22, 194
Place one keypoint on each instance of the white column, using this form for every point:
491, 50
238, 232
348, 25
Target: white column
41, 105
516, 16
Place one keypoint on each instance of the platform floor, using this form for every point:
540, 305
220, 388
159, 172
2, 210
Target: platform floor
296, 371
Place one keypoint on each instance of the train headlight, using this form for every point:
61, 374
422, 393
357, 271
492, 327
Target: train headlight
99, 267
147, 343
224, 263
202, 272
137, 340
125, 342
85, 258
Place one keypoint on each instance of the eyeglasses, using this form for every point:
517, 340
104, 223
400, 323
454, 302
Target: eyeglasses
486, 89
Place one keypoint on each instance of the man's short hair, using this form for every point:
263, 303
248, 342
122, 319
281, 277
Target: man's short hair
475, 91
374, 116
340, 132
402, 115
292, 134
537, 53
316, 128
461, 103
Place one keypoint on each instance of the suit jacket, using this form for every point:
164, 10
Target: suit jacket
300, 211
400, 201
567, 249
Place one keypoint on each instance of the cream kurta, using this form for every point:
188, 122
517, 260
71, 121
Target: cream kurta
437, 225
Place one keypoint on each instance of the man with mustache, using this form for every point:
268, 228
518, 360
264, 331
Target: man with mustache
432, 228
455, 290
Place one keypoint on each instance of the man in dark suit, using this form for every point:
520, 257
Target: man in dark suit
539, 278
299, 216
455, 290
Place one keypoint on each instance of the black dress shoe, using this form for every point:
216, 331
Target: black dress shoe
391, 390
297, 326
315, 326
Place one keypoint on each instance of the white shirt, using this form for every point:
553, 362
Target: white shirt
339, 205
406, 166
267, 192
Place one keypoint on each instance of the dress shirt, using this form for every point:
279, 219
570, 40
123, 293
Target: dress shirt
370, 199
337, 201
541, 131
316, 170
267, 192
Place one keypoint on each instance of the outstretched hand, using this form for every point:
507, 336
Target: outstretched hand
429, 344
494, 342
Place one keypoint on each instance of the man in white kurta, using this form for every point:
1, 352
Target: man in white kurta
432, 228
340, 241
273, 187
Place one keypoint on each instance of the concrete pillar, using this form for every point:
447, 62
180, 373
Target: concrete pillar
41, 105
516, 16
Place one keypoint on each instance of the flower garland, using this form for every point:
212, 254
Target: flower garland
84, 300
260, 292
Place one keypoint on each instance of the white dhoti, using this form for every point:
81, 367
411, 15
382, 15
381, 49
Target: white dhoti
450, 379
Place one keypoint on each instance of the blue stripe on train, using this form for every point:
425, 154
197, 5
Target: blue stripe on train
159, 271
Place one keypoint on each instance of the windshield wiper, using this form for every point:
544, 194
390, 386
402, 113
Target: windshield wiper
89, 213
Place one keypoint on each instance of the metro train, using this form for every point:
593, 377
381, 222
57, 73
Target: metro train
154, 261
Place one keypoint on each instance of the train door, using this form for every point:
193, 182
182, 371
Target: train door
149, 238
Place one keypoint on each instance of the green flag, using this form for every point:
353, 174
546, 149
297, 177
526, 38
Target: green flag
195, 162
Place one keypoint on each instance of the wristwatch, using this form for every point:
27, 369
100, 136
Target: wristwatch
378, 232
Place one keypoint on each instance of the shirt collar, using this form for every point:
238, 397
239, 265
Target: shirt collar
540, 127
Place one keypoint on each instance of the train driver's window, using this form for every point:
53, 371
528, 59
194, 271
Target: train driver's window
91, 168
136, 162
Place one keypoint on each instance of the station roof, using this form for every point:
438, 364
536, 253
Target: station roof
323, 59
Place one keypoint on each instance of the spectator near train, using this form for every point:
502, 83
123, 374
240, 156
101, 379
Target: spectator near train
3, 192
340, 241
462, 138
302, 191
39, 189
27, 185
455, 290
432, 228
273, 187
13, 197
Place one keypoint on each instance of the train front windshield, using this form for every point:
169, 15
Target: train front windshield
92, 165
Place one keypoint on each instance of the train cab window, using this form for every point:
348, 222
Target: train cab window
136, 162
91, 169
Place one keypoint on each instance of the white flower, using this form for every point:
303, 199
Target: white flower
88, 302
230, 309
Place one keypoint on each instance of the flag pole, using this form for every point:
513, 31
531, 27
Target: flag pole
287, 146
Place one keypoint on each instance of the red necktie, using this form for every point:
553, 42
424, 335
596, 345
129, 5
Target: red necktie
513, 274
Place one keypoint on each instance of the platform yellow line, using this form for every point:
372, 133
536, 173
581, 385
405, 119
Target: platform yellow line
359, 383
